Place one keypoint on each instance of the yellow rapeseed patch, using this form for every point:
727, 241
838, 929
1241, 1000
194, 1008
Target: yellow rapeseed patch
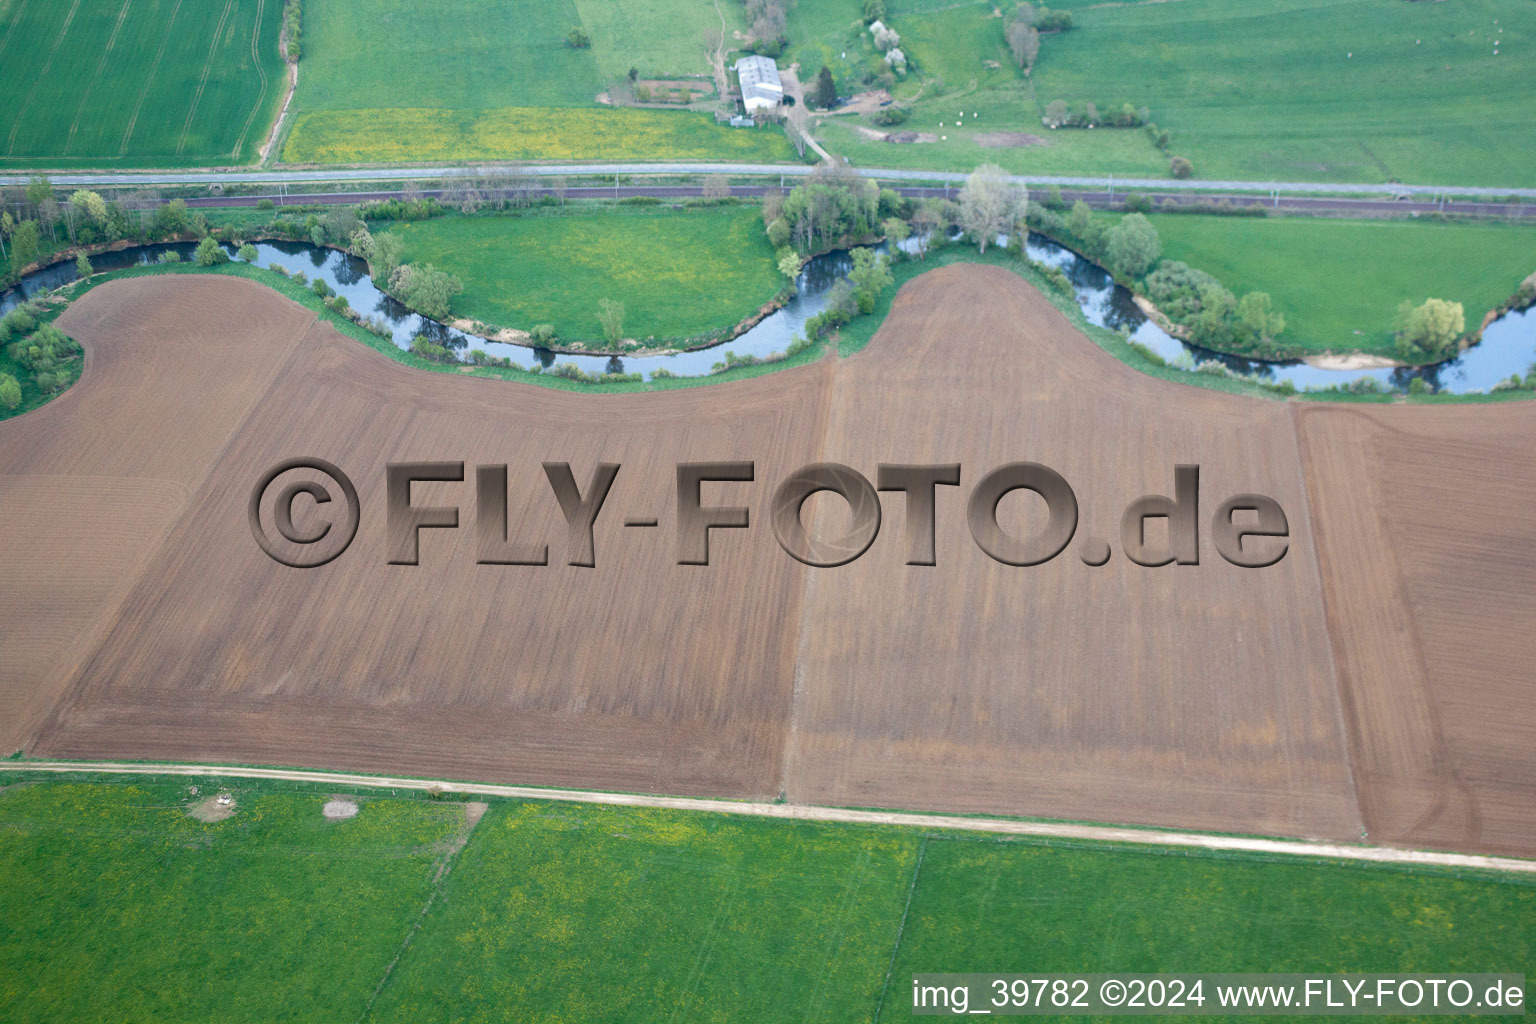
524, 133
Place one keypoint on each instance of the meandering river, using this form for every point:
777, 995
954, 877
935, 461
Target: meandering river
1508, 345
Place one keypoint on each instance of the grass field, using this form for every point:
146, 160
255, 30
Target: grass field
678, 274
484, 80
1333, 278
128, 83
1112, 151
1324, 90
122, 907
659, 38
1054, 909
470, 54
960, 64
525, 133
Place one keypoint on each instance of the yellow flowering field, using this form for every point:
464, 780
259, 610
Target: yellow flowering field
545, 134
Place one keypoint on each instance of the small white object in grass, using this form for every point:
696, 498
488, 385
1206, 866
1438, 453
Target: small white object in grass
336, 810
943, 138
1351, 53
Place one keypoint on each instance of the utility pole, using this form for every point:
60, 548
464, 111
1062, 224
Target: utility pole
1111, 190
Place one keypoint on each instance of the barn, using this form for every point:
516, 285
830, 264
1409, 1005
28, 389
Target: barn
760, 85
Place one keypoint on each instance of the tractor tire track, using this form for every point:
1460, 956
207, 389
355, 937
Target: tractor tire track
42, 76
154, 69
101, 66
202, 83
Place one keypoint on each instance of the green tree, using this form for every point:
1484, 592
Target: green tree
874, 10
789, 263
1256, 321
1079, 219
1056, 112
824, 92
611, 315
247, 252
91, 205
1212, 326
577, 38
388, 255
39, 190
1179, 167
1024, 42
895, 231
778, 232
542, 334
25, 248
209, 252
1133, 247
173, 218
425, 288
10, 392
83, 266
990, 204
1429, 332
871, 274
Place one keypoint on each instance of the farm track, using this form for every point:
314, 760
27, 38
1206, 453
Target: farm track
1204, 698
1253, 845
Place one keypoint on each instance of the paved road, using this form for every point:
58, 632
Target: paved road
807, 812
209, 177
1308, 204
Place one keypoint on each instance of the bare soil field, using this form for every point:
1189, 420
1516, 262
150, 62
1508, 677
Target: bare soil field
1424, 530
1277, 700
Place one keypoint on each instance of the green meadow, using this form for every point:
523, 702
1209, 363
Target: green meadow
658, 38
119, 906
1339, 282
677, 273
470, 54
137, 83
969, 102
395, 81
1314, 90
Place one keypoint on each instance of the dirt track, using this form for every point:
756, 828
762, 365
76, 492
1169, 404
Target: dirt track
1195, 696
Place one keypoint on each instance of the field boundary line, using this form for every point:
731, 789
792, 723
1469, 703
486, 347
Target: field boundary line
101, 66
21, 111
202, 83
1124, 834
917, 869
149, 80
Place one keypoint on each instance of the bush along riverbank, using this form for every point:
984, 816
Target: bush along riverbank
847, 313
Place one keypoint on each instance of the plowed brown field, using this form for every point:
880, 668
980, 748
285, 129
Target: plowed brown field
1377, 677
